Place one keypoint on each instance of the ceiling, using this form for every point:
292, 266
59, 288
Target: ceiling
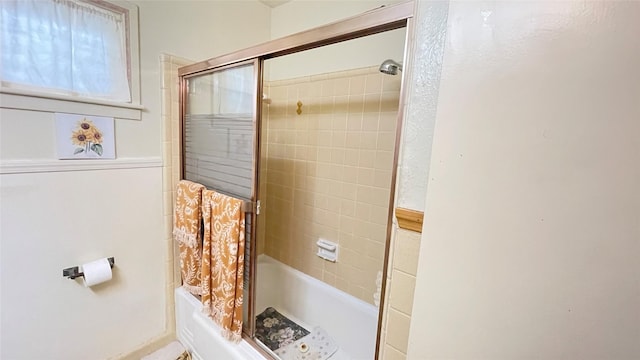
274, 3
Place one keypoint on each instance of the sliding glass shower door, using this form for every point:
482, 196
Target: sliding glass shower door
219, 140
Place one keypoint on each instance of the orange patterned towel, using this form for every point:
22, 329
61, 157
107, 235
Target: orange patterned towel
186, 231
223, 262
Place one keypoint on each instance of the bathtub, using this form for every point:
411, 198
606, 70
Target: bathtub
351, 322
201, 336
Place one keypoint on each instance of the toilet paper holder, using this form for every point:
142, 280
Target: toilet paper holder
74, 272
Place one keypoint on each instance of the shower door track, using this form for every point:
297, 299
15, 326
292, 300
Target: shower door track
369, 23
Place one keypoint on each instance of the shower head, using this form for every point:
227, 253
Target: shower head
390, 67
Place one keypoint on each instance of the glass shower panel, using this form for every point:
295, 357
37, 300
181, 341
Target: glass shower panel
327, 164
219, 131
219, 141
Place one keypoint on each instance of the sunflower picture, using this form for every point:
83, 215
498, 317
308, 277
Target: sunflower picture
86, 136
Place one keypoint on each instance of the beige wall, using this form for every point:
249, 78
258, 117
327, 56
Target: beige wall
328, 173
422, 83
52, 220
57, 214
530, 248
195, 30
296, 16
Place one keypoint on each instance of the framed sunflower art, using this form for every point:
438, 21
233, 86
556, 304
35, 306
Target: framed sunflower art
84, 137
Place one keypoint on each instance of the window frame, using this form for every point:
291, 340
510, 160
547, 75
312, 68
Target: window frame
42, 100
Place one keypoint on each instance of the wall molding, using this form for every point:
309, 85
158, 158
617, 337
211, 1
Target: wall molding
44, 166
410, 219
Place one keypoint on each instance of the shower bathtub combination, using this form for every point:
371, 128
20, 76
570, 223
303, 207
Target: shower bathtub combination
351, 322
313, 152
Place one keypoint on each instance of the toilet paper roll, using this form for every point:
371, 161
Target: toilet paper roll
96, 272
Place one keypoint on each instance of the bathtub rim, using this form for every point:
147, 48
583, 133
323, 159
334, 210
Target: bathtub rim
245, 349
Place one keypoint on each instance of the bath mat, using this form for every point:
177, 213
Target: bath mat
316, 346
276, 330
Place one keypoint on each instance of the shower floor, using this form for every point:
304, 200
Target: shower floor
276, 330
312, 304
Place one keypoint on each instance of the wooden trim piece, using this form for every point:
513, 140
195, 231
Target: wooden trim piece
410, 219
379, 20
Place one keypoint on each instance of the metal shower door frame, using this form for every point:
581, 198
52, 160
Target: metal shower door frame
252, 209
372, 22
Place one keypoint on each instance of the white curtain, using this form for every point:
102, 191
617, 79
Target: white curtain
64, 46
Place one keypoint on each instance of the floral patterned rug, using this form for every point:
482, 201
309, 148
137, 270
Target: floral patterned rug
276, 330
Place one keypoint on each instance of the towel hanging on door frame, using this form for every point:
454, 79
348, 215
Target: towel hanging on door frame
223, 261
186, 232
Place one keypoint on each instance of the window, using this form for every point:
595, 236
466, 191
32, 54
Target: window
71, 50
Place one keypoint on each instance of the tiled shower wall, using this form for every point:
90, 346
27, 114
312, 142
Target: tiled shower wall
328, 173
401, 282
171, 168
